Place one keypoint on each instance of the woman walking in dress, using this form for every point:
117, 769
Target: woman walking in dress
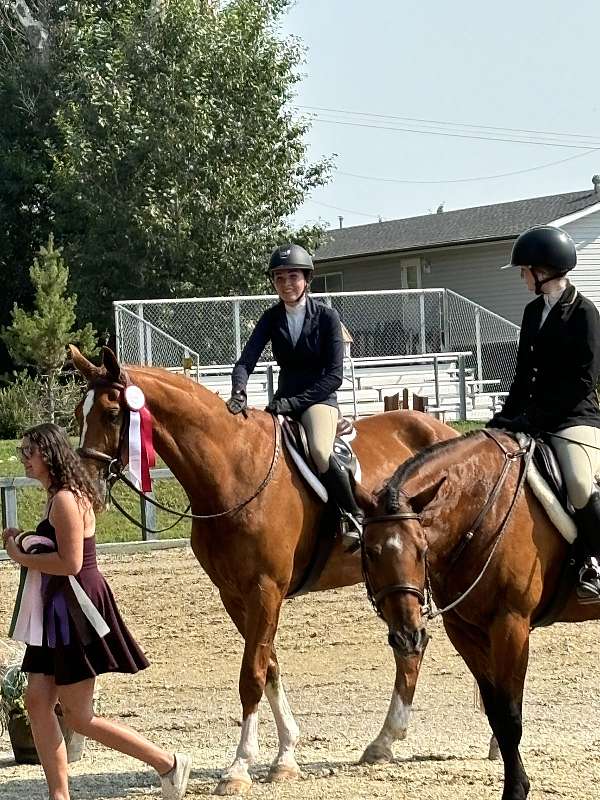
70, 622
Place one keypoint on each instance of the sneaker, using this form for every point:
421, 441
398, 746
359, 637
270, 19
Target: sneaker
174, 783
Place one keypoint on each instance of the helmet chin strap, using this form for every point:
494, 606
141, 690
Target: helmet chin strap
539, 283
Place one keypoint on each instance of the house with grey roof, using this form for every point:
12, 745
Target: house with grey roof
461, 250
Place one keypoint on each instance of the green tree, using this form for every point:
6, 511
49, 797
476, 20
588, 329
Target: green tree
39, 338
176, 156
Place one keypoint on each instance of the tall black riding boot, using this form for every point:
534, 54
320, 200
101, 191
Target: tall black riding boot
588, 527
339, 488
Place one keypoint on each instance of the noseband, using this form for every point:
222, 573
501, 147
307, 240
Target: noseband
376, 598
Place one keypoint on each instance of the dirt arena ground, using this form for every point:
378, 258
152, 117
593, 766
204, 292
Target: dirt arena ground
338, 673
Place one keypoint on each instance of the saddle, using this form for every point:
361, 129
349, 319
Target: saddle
296, 442
546, 481
547, 465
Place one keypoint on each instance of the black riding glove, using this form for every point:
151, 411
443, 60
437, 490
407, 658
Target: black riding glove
238, 403
519, 424
497, 421
279, 405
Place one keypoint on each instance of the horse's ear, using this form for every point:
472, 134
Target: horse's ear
427, 495
111, 364
87, 369
365, 499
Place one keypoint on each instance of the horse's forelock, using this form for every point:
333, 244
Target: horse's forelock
104, 381
392, 499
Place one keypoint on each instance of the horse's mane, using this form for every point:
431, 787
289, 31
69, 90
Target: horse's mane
162, 376
392, 493
174, 379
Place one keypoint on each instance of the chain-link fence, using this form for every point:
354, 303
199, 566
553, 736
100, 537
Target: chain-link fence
212, 331
140, 341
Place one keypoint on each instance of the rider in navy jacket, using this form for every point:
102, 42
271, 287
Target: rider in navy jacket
310, 370
306, 339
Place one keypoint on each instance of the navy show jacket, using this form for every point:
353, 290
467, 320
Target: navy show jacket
312, 369
558, 365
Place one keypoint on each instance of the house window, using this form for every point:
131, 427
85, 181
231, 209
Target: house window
330, 282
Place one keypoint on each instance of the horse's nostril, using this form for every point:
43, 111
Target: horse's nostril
408, 643
420, 638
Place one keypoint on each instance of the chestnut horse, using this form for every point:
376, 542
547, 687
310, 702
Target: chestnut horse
257, 553
457, 520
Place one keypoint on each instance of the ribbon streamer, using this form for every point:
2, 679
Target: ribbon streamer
141, 449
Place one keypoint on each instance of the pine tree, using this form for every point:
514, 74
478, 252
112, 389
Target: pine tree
39, 338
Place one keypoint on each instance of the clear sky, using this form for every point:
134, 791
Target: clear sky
532, 65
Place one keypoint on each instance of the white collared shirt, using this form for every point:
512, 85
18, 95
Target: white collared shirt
550, 300
295, 318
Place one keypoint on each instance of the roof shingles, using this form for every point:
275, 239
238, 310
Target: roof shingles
484, 223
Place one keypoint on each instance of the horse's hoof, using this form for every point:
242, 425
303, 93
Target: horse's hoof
374, 754
282, 773
233, 786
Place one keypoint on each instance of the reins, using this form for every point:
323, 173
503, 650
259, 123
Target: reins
115, 473
424, 594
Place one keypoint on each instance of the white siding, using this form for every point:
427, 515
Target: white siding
586, 275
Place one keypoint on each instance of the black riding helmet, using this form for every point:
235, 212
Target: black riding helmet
291, 256
546, 247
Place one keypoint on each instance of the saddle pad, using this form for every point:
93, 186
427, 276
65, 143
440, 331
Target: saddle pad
298, 458
558, 516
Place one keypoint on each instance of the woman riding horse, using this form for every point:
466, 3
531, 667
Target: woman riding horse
554, 389
307, 343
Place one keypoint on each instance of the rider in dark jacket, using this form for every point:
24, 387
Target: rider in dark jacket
307, 344
554, 388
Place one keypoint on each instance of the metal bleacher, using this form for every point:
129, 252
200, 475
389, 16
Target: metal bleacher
439, 379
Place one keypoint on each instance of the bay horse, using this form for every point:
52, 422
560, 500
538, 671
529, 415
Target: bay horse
256, 554
458, 521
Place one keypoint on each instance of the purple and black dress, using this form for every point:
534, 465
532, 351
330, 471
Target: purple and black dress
81, 633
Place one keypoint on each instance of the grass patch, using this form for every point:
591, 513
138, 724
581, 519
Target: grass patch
467, 426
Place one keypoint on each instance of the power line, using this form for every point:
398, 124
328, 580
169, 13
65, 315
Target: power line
467, 180
345, 210
455, 135
445, 122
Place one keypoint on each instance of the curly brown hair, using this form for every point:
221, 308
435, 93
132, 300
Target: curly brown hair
64, 465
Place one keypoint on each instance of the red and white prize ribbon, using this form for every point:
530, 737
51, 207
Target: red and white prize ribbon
141, 449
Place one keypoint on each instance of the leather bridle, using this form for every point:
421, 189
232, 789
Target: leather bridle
423, 594
376, 598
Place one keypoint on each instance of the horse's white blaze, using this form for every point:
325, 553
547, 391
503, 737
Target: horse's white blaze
287, 728
246, 752
395, 725
87, 407
394, 542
